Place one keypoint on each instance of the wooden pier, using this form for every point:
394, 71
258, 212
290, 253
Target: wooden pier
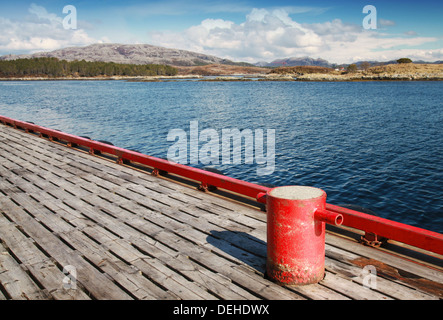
125, 234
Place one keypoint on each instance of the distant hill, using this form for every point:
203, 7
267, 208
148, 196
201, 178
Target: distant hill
294, 62
221, 69
128, 54
307, 61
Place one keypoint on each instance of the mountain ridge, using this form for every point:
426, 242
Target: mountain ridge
150, 54
319, 62
296, 61
127, 54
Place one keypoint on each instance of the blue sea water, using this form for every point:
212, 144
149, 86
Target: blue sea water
374, 144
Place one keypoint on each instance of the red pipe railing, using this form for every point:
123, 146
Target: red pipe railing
417, 237
206, 178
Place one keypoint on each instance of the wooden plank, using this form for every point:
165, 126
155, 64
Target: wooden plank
143, 222
262, 268
45, 216
342, 261
116, 249
96, 283
198, 209
171, 239
60, 209
181, 265
42, 268
389, 259
210, 204
391, 288
352, 289
20, 155
258, 286
318, 292
200, 236
213, 282
199, 231
127, 276
16, 281
198, 224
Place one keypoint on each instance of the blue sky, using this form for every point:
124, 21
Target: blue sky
241, 30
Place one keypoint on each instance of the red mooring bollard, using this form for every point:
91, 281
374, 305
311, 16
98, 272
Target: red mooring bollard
296, 219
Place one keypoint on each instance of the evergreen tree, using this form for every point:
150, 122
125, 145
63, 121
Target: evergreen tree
52, 67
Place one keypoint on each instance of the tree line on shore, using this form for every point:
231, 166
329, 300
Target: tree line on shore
53, 67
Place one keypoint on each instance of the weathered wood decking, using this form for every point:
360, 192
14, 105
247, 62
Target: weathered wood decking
130, 235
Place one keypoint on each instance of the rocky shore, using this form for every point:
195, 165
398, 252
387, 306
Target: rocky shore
393, 72
371, 77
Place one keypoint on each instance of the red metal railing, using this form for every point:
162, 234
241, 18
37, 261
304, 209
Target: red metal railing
417, 237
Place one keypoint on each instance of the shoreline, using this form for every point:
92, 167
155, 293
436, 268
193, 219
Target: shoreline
219, 72
246, 77
100, 78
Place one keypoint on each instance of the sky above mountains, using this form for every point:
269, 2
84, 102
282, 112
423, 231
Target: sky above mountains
240, 30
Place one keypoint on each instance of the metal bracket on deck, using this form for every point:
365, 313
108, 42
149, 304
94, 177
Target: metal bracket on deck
203, 187
207, 187
372, 240
155, 172
123, 161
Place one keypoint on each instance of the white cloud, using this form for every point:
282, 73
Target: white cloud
273, 34
264, 34
386, 23
411, 33
40, 30
305, 9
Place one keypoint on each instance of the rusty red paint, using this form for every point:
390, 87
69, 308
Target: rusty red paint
414, 236
393, 273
